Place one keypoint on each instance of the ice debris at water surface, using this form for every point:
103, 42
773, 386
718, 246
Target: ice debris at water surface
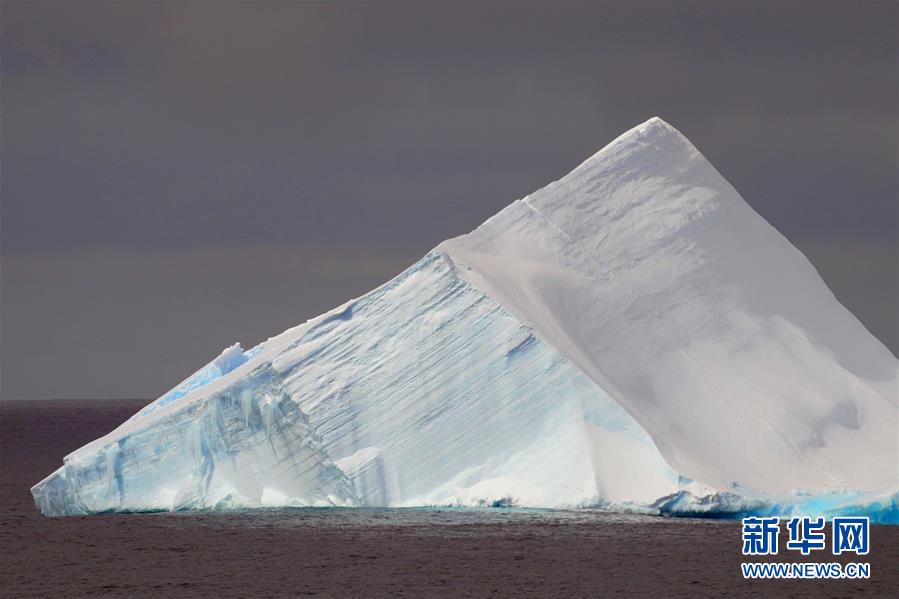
632, 337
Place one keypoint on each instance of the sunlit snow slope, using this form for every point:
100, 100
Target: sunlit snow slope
633, 336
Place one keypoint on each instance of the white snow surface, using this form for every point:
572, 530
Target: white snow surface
633, 336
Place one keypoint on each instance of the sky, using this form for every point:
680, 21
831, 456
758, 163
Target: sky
175, 177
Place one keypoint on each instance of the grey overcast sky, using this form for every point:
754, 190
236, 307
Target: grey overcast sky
180, 176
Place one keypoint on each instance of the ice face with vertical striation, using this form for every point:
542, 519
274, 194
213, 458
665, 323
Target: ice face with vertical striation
633, 336
422, 392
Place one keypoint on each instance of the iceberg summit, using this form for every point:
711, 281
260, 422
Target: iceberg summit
632, 337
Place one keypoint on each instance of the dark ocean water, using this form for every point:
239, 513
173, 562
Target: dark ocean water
361, 552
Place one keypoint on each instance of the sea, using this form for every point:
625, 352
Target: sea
340, 552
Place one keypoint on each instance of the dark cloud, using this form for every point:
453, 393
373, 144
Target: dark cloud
184, 127
106, 323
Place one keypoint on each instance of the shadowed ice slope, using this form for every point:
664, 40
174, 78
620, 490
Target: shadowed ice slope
649, 271
633, 336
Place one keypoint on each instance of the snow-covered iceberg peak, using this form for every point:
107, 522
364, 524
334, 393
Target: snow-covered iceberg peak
648, 271
633, 336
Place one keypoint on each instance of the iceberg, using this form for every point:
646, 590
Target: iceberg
631, 337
